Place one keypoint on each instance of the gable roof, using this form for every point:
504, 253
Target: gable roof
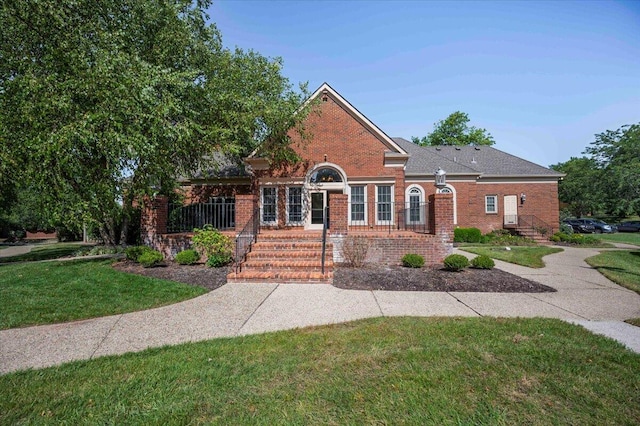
327, 90
484, 161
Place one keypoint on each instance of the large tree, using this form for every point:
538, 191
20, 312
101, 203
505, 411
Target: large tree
455, 130
101, 101
580, 189
617, 154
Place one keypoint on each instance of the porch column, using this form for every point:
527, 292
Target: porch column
441, 216
338, 214
245, 206
153, 220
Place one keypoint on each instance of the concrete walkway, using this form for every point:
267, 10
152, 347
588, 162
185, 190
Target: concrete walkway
584, 297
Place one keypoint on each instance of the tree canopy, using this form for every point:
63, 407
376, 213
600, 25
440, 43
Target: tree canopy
455, 130
101, 101
607, 179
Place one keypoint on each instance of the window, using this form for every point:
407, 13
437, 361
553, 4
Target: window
491, 204
415, 205
325, 175
358, 204
269, 203
294, 204
383, 206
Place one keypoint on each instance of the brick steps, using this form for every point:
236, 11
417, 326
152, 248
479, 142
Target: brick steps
532, 234
286, 257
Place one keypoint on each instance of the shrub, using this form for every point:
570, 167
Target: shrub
134, 252
150, 258
412, 260
98, 250
576, 239
455, 262
213, 244
466, 235
566, 228
354, 250
505, 238
187, 257
482, 262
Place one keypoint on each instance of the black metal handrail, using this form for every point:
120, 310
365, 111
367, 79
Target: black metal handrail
246, 238
325, 223
535, 223
390, 216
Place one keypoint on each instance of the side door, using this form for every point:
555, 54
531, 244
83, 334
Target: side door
510, 209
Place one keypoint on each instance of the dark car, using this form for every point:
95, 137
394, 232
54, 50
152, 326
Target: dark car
630, 226
600, 226
580, 225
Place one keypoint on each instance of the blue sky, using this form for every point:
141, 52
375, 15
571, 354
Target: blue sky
541, 77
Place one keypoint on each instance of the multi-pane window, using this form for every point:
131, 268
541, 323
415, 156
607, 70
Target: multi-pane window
415, 203
269, 203
294, 204
491, 204
383, 206
357, 204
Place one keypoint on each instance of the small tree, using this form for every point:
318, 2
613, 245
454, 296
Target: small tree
454, 130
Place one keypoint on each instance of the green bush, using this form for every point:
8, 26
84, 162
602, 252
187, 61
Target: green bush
213, 244
466, 235
150, 258
482, 262
412, 260
501, 237
575, 239
187, 257
134, 252
455, 262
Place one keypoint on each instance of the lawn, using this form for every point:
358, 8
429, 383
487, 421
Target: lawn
621, 267
525, 256
46, 252
52, 292
622, 237
378, 371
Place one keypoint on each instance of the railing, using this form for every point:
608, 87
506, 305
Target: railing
536, 224
246, 238
221, 214
388, 217
325, 225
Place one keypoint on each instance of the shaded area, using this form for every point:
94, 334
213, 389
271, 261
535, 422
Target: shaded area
434, 279
197, 275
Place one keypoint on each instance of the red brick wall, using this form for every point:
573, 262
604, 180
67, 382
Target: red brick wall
542, 202
338, 206
245, 206
389, 249
344, 141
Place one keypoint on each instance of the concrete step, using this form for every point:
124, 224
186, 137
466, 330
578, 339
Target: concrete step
252, 276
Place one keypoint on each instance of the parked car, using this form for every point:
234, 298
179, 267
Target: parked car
600, 226
580, 225
629, 226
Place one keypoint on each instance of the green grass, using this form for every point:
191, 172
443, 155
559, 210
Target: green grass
52, 292
46, 252
525, 256
622, 237
621, 267
634, 321
425, 371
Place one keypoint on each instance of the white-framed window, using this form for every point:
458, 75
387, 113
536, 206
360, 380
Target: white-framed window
294, 205
358, 205
384, 204
269, 202
415, 205
491, 204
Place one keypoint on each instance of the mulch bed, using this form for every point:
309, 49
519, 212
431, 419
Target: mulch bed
366, 278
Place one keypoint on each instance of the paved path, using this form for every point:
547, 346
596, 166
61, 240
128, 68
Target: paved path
584, 297
15, 250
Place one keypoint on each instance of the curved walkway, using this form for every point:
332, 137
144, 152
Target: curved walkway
584, 297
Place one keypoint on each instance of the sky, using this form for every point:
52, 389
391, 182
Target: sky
541, 77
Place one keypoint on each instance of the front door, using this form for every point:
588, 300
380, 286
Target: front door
510, 209
318, 204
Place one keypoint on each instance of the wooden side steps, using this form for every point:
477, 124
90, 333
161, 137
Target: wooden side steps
286, 258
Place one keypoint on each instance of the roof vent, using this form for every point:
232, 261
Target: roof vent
473, 160
325, 98
438, 148
455, 160
457, 148
477, 148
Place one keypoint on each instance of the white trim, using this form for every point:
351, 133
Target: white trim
365, 221
262, 222
326, 185
307, 223
495, 197
384, 222
407, 199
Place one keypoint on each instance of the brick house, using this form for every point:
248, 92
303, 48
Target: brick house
356, 181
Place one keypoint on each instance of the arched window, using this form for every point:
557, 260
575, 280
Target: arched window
415, 205
325, 175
